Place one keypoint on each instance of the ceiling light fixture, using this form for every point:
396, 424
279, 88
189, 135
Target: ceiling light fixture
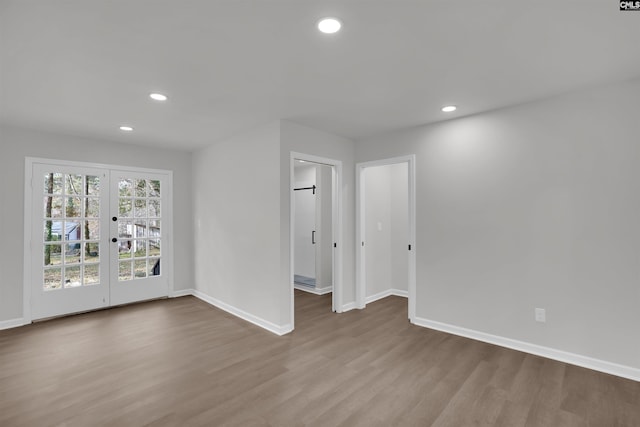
449, 108
126, 128
158, 97
329, 25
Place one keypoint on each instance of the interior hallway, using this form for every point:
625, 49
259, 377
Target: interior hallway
182, 362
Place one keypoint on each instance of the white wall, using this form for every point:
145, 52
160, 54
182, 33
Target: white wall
399, 236
302, 139
237, 224
386, 228
17, 143
532, 206
377, 236
324, 271
242, 212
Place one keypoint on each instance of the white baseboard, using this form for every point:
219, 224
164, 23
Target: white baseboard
315, 291
550, 353
11, 323
348, 307
399, 293
325, 290
181, 293
271, 327
384, 294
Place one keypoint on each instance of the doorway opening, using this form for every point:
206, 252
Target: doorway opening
385, 228
313, 256
315, 228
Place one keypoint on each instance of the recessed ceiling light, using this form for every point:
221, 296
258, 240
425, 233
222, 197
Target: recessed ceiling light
126, 128
329, 25
449, 108
158, 96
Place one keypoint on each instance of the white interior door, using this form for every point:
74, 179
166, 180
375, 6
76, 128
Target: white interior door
69, 264
98, 237
139, 228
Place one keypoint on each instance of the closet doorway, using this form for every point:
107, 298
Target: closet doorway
385, 228
315, 227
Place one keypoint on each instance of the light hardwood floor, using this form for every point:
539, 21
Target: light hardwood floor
181, 362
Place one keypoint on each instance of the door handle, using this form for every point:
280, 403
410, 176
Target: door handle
313, 237
114, 240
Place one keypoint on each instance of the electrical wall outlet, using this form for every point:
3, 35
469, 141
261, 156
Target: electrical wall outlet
541, 315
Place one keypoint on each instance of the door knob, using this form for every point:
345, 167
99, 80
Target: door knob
114, 240
114, 219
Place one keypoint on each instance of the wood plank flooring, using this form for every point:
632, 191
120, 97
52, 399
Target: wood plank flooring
181, 362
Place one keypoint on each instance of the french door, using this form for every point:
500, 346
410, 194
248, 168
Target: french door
98, 237
137, 228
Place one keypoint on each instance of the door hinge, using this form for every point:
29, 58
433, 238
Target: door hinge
409, 247
362, 243
335, 245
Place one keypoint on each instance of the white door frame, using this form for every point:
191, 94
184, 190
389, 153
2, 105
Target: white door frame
360, 231
28, 208
336, 229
